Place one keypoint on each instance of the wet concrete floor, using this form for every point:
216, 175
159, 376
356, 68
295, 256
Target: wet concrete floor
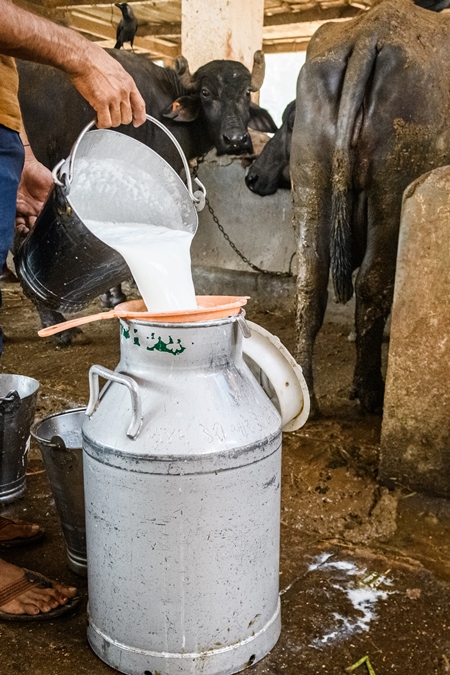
364, 572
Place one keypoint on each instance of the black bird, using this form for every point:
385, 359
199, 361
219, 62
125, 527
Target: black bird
126, 30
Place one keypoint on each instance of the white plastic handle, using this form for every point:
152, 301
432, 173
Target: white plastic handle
284, 374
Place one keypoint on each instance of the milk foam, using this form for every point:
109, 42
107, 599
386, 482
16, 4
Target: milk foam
159, 260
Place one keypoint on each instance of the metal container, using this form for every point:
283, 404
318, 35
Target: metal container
61, 263
59, 438
18, 395
182, 467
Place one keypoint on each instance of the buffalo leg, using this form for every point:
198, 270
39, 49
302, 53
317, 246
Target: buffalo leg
310, 312
113, 297
50, 317
374, 290
312, 282
311, 153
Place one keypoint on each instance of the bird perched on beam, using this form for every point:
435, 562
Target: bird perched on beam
128, 25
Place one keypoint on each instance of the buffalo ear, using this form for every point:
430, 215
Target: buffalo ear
183, 109
261, 120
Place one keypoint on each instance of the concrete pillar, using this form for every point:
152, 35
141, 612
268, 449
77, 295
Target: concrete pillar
221, 29
415, 438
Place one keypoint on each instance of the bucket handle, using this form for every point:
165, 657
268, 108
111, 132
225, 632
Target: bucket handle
136, 407
64, 181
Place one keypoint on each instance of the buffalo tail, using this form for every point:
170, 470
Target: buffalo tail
357, 73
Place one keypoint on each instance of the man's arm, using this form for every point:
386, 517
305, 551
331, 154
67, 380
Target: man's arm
102, 81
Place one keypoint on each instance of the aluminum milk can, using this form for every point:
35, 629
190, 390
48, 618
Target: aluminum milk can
182, 468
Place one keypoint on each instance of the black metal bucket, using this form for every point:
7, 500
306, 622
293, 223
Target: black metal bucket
61, 263
18, 395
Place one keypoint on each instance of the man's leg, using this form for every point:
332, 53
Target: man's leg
11, 165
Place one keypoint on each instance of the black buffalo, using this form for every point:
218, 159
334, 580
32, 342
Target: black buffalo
270, 171
211, 108
372, 115
207, 109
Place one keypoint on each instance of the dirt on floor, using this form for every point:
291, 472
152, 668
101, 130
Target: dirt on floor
365, 572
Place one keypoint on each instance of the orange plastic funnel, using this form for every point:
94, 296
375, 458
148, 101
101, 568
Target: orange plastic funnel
209, 307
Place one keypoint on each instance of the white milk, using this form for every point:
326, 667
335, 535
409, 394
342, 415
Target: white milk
159, 260
134, 208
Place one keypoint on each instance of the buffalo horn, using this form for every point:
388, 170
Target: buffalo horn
259, 68
183, 73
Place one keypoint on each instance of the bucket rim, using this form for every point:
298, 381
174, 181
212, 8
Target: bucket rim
37, 423
35, 384
176, 188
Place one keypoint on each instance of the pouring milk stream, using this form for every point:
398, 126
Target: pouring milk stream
158, 256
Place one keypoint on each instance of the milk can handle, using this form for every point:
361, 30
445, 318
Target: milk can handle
284, 374
136, 407
197, 197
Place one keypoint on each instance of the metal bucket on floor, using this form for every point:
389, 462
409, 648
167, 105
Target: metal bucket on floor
18, 396
59, 438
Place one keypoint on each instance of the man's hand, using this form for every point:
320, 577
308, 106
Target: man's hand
35, 184
102, 81
110, 90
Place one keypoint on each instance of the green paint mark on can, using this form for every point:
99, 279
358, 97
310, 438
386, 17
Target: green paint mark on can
169, 347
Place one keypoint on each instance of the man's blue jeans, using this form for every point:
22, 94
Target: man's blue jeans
11, 165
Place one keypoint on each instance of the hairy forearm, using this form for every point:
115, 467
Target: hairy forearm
102, 81
27, 36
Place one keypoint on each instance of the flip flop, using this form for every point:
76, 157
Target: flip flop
29, 581
18, 541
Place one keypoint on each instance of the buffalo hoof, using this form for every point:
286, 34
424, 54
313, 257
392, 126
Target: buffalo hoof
68, 337
112, 298
314, 410
371, 400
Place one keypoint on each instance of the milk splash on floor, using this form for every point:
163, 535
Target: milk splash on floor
135, 207
364, 590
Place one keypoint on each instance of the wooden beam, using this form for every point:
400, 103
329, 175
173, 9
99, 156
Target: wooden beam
157, 29
102, 29
285, 47
317, 14
57, 15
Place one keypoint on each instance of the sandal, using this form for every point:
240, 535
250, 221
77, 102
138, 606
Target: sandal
33, 580
17, 540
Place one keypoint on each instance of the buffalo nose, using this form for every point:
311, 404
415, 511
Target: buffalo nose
235, 140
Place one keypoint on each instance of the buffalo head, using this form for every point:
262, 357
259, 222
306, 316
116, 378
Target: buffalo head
219, 94
270, 170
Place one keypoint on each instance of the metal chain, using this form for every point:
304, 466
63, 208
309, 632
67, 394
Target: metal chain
200, 160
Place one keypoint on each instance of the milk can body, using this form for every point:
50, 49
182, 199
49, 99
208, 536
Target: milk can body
183, 521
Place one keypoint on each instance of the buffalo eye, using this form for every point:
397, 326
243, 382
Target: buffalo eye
205, 93
248, 92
